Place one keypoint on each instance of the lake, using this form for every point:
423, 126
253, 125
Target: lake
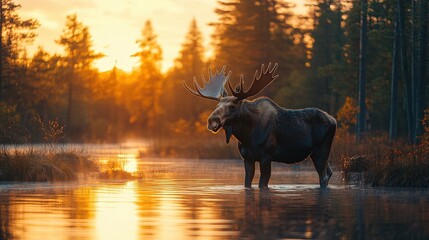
205, 199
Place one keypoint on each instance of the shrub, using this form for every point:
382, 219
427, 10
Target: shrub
397, 164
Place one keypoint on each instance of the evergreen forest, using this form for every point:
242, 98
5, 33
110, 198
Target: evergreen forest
365, 62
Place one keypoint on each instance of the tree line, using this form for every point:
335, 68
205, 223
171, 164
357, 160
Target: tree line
321, 64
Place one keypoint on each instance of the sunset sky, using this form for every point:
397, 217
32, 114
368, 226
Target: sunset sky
116, 25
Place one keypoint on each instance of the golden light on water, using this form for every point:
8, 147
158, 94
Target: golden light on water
198, 199
169, 209
116, 213
53, 222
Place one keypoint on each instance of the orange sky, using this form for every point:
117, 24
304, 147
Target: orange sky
116, 25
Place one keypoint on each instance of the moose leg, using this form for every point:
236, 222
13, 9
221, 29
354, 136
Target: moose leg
265, 168
320, 163
249, 167
320, 157
329, 170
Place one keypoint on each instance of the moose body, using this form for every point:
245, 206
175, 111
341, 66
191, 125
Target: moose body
265, 131
269, 133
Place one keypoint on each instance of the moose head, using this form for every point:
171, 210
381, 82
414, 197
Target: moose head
229, 106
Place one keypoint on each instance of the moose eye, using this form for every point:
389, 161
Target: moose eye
231, 108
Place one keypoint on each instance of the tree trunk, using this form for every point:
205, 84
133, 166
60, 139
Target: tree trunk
69, 105
421, 69
362, 71
1, 48
70, 97
394, 82
414, 70
404, 69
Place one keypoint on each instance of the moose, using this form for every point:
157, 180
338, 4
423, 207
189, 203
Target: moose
265, 131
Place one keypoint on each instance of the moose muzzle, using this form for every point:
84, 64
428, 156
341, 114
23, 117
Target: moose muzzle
214, 123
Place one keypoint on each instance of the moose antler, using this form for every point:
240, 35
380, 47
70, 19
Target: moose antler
214, 88
260, 81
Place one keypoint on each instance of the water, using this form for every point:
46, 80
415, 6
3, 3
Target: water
205, 199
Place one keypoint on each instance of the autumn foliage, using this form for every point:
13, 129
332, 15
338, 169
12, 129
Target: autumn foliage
346, 115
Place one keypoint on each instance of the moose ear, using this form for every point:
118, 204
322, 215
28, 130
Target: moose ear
228, 132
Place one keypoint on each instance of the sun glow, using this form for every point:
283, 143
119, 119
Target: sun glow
120, 60
130, 162
115, 26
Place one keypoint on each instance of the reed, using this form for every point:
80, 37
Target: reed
37, 166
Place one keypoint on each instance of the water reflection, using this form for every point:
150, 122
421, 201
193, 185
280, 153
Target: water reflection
116, 215
175, 212
43, 211
207, 202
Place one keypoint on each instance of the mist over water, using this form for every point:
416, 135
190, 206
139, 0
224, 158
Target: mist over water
205, 199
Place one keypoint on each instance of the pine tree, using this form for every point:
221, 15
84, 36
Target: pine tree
15, 34
188, 64
394, 83
47, 89
400, 33
326, 50
145, 104
361, 122
249, 33
79, 58
421, 79
191, 56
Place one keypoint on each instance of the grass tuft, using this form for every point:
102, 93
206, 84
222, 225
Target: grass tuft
117, 175
34, 166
